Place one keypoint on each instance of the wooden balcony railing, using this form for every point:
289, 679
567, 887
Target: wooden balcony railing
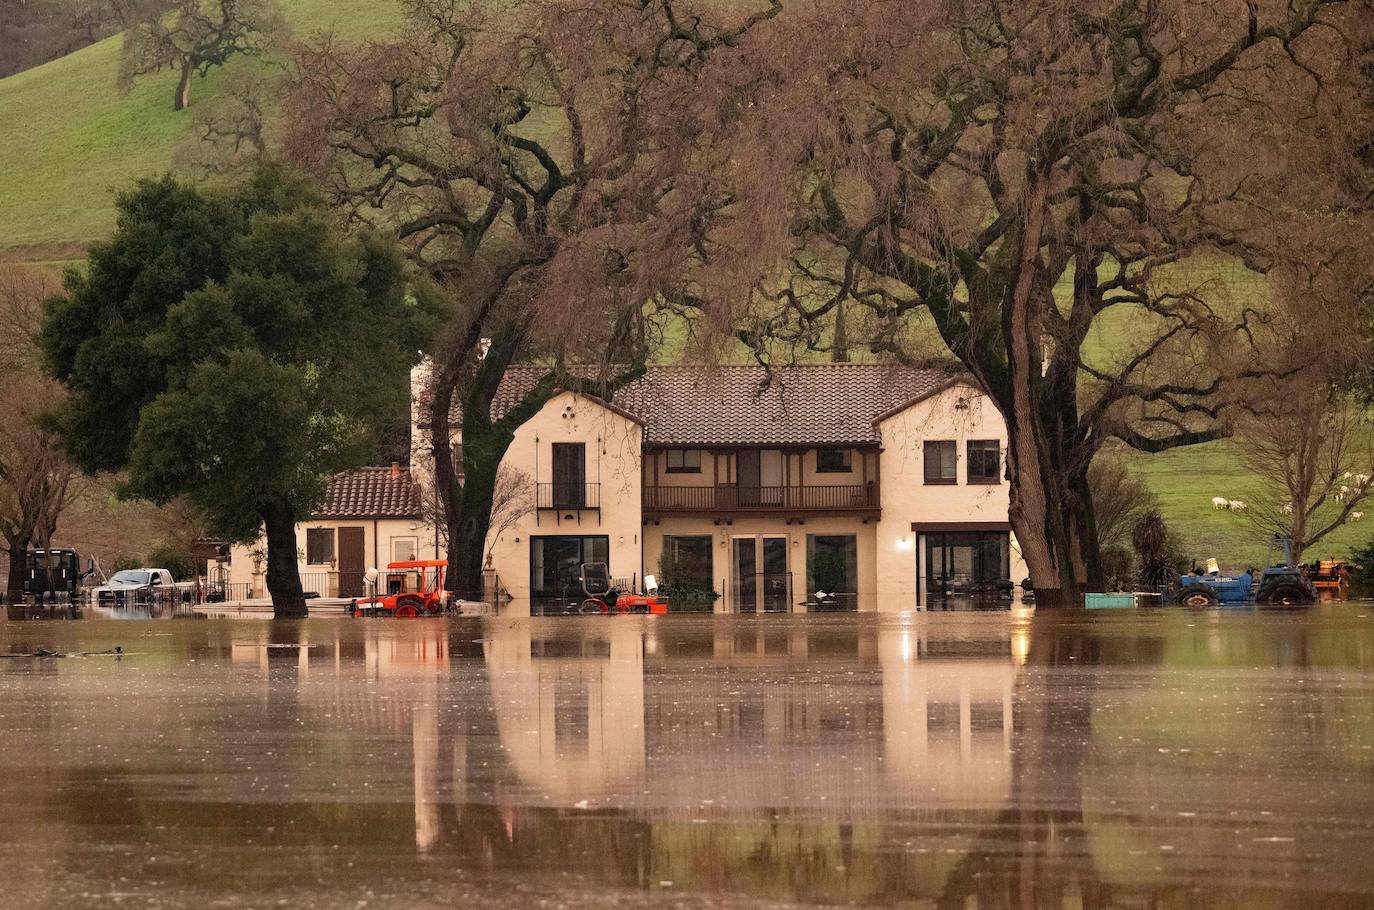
735, 498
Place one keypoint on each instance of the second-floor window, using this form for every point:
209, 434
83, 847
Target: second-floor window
569, 474
834, 461
684, 461
984, 461
319, 546
941, 461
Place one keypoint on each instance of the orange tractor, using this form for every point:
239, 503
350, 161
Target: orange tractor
602, 596
430, 598
1331, 578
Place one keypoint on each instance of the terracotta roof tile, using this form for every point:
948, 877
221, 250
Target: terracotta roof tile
370, 493
812, 404
803, 405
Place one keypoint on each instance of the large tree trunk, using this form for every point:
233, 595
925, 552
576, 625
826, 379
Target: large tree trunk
1039, 510
1047, 458
18, 550
483, 448
467, 505
283, 567
183, 95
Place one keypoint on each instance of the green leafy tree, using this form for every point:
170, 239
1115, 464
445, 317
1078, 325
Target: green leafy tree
174, 559
233, 347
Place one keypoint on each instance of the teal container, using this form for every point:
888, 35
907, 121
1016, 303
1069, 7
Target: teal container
1109, 601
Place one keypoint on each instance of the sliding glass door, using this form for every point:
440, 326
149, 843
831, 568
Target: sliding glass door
966, 568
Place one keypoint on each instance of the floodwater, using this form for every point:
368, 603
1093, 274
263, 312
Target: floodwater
1127, 759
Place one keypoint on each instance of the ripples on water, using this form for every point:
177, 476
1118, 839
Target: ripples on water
1118, 759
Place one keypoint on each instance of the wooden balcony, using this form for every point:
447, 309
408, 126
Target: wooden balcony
732, 499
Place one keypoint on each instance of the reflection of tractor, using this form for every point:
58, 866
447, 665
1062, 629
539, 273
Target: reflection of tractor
429, 600
604, 597
1279, 583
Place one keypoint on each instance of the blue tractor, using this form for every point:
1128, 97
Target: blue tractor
1278, 584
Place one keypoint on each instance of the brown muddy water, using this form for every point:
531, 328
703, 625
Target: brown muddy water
1127, 759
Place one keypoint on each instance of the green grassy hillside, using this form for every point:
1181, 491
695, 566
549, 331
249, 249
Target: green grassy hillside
70, 140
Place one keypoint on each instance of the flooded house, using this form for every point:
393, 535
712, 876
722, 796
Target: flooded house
819, 487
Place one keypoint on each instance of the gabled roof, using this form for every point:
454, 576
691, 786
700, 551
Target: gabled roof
371, 493
812, 404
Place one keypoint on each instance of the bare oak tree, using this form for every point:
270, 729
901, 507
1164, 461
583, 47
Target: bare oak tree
1052, 189
230, 132
531, 159
192, 37
36, 480
1311, 448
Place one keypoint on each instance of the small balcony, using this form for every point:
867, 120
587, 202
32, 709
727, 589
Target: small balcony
728, 499
571, 499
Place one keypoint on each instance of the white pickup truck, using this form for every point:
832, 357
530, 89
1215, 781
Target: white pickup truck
139, 586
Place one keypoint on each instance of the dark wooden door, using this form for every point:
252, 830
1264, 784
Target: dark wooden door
352, 561
569, 475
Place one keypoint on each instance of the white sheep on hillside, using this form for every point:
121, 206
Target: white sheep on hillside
1237, 505
1362, 479
1220, 502
1344, 492
1356, 516
1288, 509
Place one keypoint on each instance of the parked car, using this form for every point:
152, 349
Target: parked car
138, 586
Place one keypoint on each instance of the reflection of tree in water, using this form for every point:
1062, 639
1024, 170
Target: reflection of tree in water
1121, 729
1026, 857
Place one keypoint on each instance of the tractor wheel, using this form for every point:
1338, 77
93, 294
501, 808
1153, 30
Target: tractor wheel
1198, 597
407, 608
592, 605
1285, 591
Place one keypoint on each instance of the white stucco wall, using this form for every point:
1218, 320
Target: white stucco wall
959, 413
613, 456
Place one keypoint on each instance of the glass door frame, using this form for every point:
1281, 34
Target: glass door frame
763, 588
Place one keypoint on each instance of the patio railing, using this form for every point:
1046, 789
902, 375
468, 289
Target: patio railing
736, 498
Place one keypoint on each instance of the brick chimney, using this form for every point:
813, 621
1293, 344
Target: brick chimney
395, 470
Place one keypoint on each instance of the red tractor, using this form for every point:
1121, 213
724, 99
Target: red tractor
429, 599
604, 597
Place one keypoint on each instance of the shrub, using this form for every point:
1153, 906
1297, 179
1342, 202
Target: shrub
173, 559
1118, 567
1159, 558
1363, 578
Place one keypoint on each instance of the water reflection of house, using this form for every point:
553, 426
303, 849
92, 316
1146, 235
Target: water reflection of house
642, 720
622, 743
570, 710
